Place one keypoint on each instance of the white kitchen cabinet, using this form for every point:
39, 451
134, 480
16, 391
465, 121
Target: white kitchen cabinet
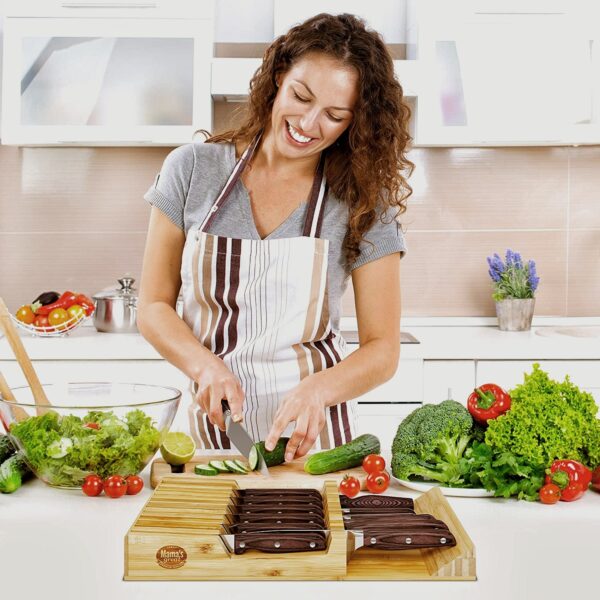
443, 379
585, 374
502, 73
382, 420
107, 74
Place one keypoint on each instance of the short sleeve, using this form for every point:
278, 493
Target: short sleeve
171, 186
385, 237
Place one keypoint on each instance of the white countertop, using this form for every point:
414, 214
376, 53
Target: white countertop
567, 341
59, 544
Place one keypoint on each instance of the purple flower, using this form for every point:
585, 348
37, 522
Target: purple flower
532, 277
496, 267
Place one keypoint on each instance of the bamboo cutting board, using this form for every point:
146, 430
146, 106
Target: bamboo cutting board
288, 471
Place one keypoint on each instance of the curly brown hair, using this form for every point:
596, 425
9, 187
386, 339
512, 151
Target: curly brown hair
364, 167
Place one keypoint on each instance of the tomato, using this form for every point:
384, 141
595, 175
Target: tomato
25, 314
92, 485
134, 485
349, 486
42, 321
115, 486
378, 482
373, 463
92, 425
549, 494
75, 312
58, 316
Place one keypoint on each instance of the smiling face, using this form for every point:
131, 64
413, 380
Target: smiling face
313, 107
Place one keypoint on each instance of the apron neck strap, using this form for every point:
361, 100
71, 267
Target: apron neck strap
316, 204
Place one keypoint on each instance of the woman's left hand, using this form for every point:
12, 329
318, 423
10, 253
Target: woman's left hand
304, 405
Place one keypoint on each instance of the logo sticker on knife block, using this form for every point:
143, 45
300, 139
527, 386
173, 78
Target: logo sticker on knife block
171, 557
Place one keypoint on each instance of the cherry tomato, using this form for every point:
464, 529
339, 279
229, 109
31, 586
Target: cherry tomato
349, 486
378, 482
42, 321
58, 316
549, 494
92, 425
75, 312
92, 485
373, 463
25, 314
115, 486
134, 485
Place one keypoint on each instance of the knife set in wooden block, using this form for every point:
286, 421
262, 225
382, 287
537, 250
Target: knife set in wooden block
194, 529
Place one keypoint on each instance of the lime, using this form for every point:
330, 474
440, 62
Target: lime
177, 448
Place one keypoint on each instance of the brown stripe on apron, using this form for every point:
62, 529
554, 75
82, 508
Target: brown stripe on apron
236, 246
211, 431
225, 443
346, 422
335, 425
220, 261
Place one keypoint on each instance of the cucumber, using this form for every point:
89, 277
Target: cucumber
202, 469
219, 466
13, 472
273, 458
241, 465
343, 457
234, 468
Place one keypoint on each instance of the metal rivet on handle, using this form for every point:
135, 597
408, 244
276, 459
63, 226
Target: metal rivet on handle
373, 540
242, 544
277, 545
312, 544
442, 540
278, 522
408, 540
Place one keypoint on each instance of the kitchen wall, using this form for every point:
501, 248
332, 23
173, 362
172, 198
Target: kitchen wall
75, 218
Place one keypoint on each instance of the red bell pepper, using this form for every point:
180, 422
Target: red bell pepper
488, 401
86, 303
571, 477
66, 300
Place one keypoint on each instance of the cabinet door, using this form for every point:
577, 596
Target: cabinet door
382, 420
585, 374
105, 81
443, 379
503, 76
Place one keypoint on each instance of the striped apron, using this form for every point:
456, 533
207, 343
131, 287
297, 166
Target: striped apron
262, 307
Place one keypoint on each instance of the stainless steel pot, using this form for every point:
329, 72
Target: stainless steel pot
116, 310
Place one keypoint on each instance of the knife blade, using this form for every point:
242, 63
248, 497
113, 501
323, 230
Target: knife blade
240, 438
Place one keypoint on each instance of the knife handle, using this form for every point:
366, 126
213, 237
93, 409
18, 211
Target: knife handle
379, 502
225, 406
275, 543
405, 540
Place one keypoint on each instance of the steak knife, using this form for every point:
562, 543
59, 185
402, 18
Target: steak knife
401, 539
276, 541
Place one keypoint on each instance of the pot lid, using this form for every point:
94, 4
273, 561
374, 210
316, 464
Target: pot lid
126, 290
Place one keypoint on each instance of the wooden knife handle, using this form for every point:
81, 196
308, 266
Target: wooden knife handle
251, 527
372, 501
276, 543
405, 540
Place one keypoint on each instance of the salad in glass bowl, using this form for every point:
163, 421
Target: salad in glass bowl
102, 428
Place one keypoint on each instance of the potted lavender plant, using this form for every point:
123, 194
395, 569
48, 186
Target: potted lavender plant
514, 288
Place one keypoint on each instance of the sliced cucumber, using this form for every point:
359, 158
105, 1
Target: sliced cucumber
234, 468
273, 458
241, 465
202, 469
219, 465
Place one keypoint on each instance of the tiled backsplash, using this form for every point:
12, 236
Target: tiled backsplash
75, 218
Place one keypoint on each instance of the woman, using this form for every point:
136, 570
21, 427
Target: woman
263, 226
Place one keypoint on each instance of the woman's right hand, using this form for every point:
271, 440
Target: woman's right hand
215, 383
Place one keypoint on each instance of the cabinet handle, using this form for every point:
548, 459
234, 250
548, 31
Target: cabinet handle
108, 4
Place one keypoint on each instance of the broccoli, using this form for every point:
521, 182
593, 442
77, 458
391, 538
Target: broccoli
431, 441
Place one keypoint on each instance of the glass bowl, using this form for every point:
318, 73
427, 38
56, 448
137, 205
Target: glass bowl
102, 428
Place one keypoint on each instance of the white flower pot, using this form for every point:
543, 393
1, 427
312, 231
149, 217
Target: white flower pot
515, 314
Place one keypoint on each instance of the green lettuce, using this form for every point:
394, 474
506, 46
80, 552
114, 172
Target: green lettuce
119, 446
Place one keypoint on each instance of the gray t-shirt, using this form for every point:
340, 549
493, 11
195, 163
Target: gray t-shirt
193, 175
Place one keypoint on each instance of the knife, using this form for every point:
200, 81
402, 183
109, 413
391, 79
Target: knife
401, 539
240, 438
277, 541
381, 503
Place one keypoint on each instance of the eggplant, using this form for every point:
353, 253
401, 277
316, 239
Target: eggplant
46, 298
